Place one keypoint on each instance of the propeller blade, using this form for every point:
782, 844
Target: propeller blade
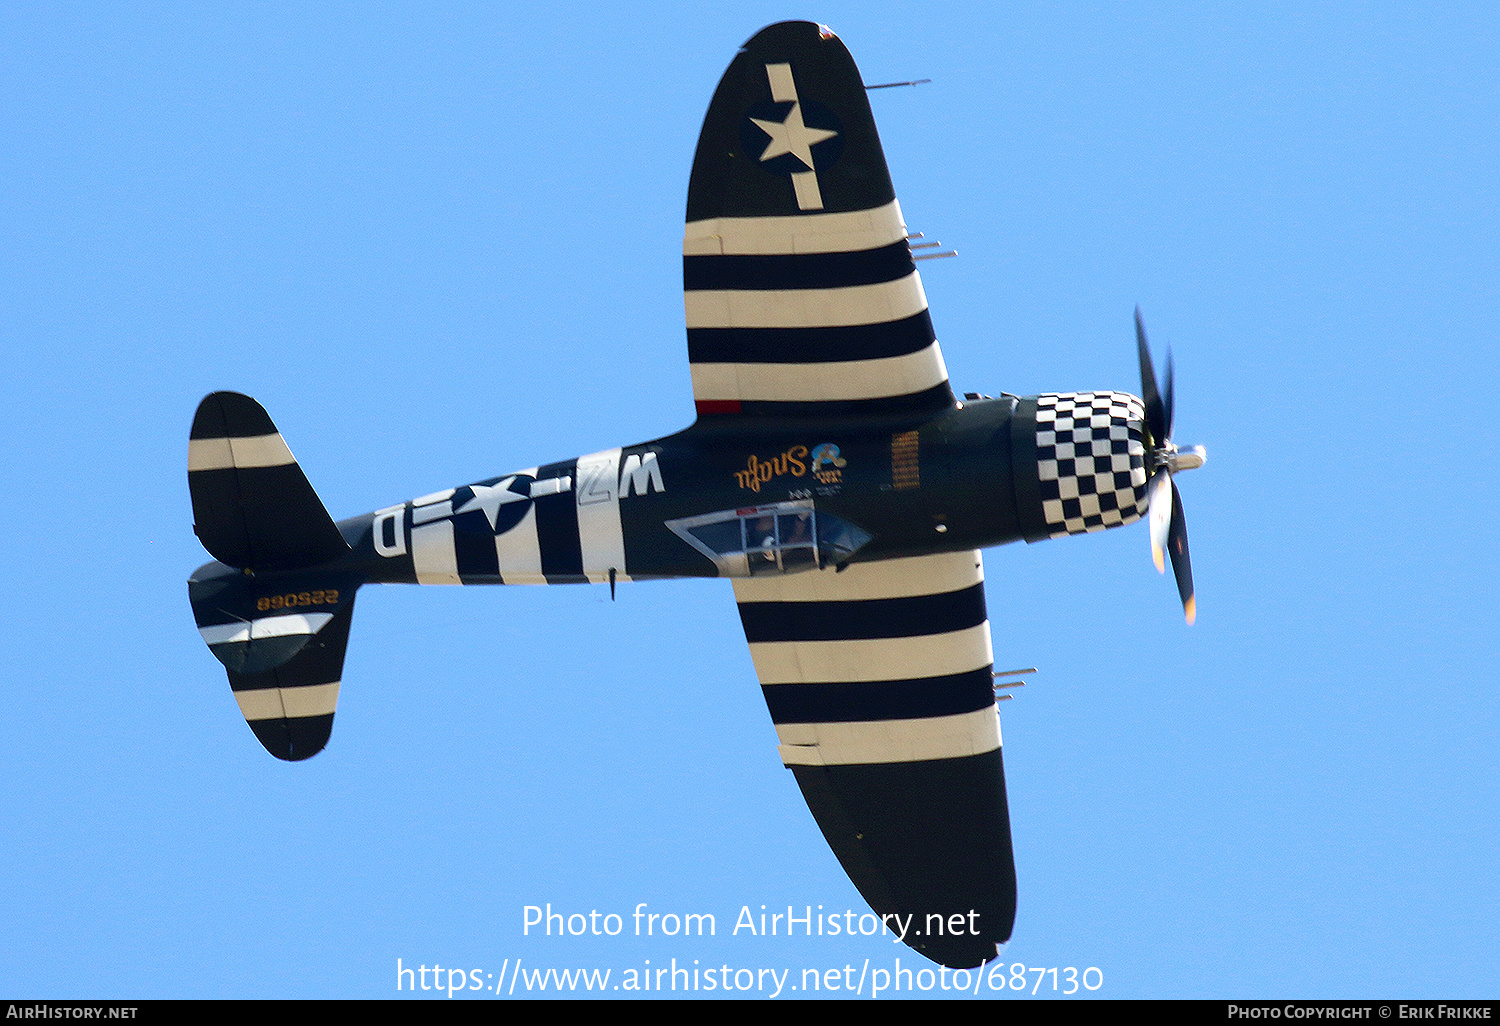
1162, 506
1156, 421
1168, 411
1177, 545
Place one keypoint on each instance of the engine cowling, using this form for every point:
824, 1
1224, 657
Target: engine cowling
1079, 460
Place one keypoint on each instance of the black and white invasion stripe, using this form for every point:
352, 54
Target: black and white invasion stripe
555, 524
452, 542
284, 664
290, 707
885, 662
809, 314
878, 681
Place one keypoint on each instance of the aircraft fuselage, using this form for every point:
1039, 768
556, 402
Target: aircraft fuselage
971, 477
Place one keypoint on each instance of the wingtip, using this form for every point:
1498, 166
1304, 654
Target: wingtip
1190, 609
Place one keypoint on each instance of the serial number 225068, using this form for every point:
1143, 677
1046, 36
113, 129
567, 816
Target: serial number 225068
291, 600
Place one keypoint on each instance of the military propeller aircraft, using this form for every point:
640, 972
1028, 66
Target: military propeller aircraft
831, 474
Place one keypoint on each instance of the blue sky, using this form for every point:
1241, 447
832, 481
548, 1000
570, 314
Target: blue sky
442, 245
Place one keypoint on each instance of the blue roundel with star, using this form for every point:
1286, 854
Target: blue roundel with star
791, 136
503, 505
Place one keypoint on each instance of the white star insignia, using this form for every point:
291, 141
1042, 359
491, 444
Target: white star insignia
490, 498
792, 136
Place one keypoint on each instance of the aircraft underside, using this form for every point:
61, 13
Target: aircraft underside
830, 473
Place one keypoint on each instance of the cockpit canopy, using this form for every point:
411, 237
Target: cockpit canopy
782, 538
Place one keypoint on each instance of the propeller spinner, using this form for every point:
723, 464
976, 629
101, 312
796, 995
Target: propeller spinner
1163, 459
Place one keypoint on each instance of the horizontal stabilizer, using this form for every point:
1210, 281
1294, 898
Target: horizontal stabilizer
281, 637
252, 505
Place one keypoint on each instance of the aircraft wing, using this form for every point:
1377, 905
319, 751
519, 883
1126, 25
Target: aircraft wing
878, 680
800, 290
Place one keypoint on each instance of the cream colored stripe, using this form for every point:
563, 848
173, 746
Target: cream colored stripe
519, 550
423, 500
891, 578
223, 453
782, 87
805, 187
433, 555
601, 537
882, 741
814, 382
432, 511
805, 233
824, 662
209, 454
265, 627
280, 703
806, 308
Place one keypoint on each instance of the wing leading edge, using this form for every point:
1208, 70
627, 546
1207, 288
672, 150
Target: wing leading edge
878, 681
801, 295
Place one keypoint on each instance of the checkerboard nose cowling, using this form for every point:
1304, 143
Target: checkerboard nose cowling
1091, 460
